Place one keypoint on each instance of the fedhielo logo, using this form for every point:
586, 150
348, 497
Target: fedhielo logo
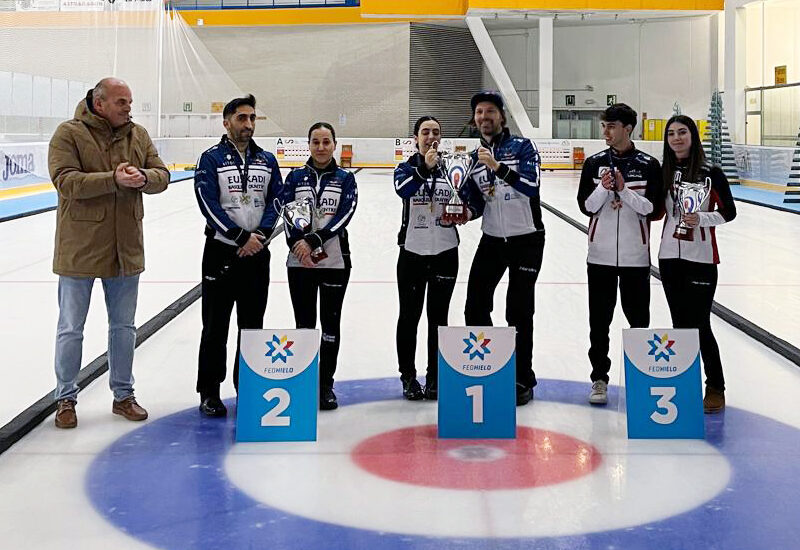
661, 347
477, 346
278, 348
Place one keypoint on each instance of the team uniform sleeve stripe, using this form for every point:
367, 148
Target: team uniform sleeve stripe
400, 184
345, 218
207, 212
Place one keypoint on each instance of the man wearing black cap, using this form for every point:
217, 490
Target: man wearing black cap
504, 189
236, 183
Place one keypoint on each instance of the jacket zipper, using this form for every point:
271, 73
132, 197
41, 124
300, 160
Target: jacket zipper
618, 237
433, 203
315, 195
499, 204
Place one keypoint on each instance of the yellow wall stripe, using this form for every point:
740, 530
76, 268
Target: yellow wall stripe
766, 186
455, 8
558, 5
15, 192
370, 12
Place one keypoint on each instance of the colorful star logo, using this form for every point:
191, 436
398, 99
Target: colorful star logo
477, 346
661, 347
278, 348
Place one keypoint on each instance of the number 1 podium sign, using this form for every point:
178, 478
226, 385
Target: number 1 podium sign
663, 396
278, 385
477, 377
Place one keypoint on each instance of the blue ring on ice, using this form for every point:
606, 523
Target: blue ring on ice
165, 485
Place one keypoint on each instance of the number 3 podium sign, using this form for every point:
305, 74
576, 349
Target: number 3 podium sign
662, 384
278, 385
477, 376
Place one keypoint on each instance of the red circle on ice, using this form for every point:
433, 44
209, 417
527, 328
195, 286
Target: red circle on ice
535, 458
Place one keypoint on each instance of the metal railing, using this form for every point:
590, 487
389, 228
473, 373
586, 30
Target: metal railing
772, 114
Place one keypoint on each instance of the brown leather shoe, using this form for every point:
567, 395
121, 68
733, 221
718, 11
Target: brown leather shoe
130, 409
65, 414
714, 401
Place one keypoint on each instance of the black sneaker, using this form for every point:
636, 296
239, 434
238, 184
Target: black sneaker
524, 394
411, 389
431, 390
213, 407
327, 399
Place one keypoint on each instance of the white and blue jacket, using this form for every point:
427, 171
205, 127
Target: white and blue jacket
335, 196
507, 199
236, 194
425, 193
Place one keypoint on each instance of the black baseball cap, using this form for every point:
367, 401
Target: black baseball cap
487, 95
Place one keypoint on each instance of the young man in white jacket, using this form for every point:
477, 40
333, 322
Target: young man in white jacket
617, 191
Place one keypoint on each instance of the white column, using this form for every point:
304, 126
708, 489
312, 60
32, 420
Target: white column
735, 67
514, 106
713, 51
545, 129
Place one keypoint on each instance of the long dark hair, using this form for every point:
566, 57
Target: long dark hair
418, 125
697, 157
318, 125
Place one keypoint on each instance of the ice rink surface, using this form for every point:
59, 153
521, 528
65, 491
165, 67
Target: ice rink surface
178, 481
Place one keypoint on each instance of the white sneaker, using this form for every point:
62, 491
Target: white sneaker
599, 395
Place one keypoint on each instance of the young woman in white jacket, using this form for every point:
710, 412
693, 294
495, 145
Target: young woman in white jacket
689, 267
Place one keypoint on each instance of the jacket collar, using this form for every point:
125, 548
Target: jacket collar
332, 167
84, 113
252, 147
627, 154
417, 160
498, 139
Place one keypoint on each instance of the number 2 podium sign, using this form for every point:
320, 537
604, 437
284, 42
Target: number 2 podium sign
278, 385
662, 384
477, 376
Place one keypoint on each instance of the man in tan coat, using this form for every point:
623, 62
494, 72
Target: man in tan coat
100, 163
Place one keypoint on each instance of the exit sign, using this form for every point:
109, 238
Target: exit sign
187, 107
611, 99
780, 75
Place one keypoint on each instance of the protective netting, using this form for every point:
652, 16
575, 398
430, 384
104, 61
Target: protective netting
53, 51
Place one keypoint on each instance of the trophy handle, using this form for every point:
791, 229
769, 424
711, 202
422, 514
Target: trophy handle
279, 228
278, 206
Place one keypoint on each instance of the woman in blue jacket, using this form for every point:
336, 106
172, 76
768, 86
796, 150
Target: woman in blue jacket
319, 258
428, 256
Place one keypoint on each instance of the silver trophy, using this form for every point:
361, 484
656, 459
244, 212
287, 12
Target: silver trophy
299, 214
456, 168
689, 198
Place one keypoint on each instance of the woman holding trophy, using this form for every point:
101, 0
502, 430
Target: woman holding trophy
696, 199
428, 255
320, 199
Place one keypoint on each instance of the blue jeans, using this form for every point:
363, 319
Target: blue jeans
74, 294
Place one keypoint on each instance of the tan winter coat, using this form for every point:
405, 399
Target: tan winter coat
99, 224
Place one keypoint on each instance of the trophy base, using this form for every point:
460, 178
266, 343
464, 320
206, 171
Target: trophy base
454, 214
318, 255
684, 234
